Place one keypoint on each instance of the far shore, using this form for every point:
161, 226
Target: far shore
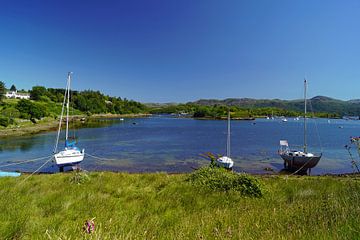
50, 124
225, 118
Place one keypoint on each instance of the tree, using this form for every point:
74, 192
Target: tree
13, 88
37, 92
2, 90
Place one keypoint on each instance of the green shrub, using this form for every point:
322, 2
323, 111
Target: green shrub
5, 121
79, 177
220, 179
31, 110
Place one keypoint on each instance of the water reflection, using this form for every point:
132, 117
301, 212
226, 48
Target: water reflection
23, 144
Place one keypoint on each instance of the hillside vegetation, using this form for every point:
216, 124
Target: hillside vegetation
319, 104
162, 206
219, 110
47, 103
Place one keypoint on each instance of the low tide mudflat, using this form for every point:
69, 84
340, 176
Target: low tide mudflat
163, 206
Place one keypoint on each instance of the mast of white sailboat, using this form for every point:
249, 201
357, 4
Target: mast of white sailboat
61, 117
305, 144
228, 136
67, 106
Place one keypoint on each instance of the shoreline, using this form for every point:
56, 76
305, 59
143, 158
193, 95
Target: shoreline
224, 118
51, 124
262, 175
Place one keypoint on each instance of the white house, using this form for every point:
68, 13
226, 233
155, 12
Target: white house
15, 94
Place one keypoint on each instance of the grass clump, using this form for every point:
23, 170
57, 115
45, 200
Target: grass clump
79, 177
220, 179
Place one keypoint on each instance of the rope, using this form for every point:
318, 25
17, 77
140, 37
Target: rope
316, 127
36, 170
101, 158
22, 162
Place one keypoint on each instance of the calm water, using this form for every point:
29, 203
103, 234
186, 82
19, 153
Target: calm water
174, 145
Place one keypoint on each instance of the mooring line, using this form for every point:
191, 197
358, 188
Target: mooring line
26, 161
100, 158
36, 170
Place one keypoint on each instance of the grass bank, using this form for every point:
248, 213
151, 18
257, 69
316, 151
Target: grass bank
162, 206
26, 127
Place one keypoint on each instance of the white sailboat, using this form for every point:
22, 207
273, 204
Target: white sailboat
226, 161
299, 160
71, 155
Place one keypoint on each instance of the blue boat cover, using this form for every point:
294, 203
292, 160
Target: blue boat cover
70, 143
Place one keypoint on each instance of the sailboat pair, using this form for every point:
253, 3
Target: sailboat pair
299, 160
71, 155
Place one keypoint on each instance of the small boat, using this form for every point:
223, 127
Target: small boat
295, 159
9, 174
121, 119
71, 155
226, 161
284, 120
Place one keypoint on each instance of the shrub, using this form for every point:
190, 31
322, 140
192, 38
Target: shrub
31, 110
5, 121
10, 112
220, 179
79, 177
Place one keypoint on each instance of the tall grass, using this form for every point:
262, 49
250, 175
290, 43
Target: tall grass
162, 206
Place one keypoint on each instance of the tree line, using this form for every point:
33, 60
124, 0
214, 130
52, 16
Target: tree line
220, 111
89, 101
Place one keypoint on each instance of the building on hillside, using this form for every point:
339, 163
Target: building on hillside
15, 94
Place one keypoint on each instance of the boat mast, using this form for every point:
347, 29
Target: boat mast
228, 136
67, 106
305, 144
61, 117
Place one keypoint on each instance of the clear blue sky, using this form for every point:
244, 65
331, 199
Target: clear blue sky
179, 51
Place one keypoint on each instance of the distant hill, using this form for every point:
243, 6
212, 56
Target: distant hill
315, 104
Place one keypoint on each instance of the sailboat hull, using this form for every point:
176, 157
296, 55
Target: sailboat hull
225, 162
300, 162
69, 157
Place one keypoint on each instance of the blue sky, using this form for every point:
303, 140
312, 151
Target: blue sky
179, 51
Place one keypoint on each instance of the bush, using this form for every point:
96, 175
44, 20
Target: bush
10, 112
5, 121
79, 177
31, 110
220, 179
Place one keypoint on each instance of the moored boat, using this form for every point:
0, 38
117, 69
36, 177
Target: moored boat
296, 159
226, 161
71, 155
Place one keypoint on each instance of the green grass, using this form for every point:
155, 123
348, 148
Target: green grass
162, 206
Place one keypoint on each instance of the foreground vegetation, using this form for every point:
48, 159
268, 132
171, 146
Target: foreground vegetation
162, 206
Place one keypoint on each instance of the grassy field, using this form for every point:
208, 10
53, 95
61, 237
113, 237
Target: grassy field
162, 206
